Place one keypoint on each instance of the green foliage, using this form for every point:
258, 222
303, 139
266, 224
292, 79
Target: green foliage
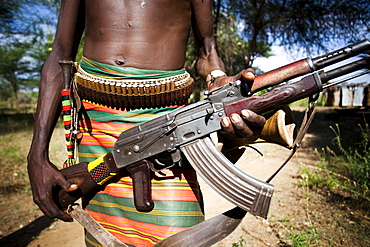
301, 23
356, 160
347, 171
300, 238
321, 101
14, 65
7, 12
231, 47
26, 35
17, 70
12, 163
240, 242
235, 52
316, 180
303, 237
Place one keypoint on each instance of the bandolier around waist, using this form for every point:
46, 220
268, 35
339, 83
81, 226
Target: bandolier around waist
130, 88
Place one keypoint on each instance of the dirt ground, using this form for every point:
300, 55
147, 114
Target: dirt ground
317, 218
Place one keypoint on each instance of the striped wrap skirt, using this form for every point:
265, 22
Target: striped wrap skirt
176, 193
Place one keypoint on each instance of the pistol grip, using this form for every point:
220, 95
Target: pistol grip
140, 174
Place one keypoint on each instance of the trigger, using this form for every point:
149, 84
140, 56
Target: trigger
176, 157
176, 160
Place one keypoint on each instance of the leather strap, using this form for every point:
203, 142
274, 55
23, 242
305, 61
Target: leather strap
306, 122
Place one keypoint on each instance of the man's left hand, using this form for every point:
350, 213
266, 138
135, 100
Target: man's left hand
247, 124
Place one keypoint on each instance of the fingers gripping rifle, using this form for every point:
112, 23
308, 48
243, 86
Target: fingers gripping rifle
187, 130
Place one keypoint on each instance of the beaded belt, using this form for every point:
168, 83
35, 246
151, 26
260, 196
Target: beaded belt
133, 94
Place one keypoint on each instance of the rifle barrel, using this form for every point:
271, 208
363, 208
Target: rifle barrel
307, 65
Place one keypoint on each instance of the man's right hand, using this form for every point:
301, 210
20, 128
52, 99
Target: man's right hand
44, 176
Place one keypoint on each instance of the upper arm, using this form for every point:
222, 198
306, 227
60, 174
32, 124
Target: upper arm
202, 22
70, 27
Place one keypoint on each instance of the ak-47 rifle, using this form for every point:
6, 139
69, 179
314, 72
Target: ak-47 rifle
186, 131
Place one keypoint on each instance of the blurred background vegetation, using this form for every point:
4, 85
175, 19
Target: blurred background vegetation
245, 30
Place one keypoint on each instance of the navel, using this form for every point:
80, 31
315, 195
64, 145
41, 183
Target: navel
120, 62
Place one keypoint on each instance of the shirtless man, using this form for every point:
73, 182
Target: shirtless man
147, 35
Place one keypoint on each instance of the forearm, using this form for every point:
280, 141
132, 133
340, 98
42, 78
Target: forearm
207, 57
210, 67
69, 31
208, 60
48, 106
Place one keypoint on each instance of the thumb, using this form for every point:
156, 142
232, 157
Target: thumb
66, 185
72, 187
248, 75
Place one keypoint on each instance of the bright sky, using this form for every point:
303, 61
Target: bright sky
281, 58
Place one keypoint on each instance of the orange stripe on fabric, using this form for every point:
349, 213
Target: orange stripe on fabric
164, 195
176, 191
110, 132
98, 141
108, 125
100, 137
140, 226
131, 239
133, 232
95, 142
100, 134
181, 190
92, 106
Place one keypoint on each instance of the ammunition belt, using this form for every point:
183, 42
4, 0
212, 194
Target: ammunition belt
134, 94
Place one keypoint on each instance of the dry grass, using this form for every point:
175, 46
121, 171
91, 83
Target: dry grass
16, 206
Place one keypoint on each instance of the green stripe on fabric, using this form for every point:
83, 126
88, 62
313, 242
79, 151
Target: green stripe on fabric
137, 117
184, 213
116, 72
90, 241
173, 207
84, 156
